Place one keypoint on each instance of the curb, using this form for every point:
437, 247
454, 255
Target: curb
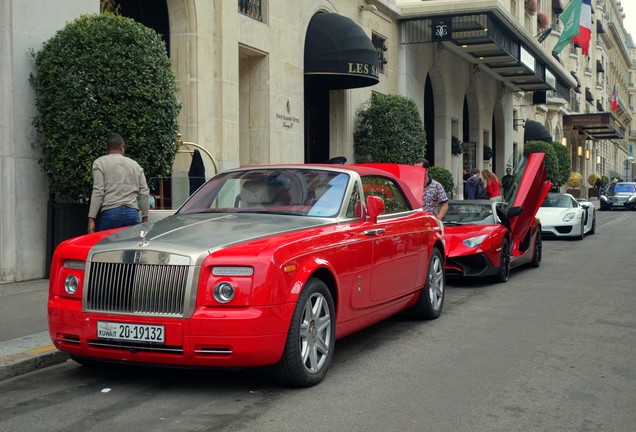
27, 354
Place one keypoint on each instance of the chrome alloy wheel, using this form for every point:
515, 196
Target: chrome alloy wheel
315, 333
436, 282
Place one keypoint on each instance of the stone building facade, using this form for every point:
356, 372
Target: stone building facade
255, 89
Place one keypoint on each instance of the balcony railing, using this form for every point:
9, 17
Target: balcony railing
251, 8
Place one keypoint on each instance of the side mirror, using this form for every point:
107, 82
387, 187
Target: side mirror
514, 211
375, 207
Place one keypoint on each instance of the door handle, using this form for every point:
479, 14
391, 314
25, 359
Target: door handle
375, 231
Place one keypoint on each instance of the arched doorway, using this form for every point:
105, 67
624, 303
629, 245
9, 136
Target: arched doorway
151, 13
429, 119
338, 55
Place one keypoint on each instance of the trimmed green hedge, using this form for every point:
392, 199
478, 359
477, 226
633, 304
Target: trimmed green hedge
102, 74
445, 177
551, 159
390, 130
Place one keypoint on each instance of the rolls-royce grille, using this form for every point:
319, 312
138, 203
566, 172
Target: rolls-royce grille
137, 288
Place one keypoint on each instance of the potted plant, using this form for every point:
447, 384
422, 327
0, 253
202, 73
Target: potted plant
87, 86
530, 6
390, 130
457, 147
487, 153
591, 180
542, 21
574, 183
445, 178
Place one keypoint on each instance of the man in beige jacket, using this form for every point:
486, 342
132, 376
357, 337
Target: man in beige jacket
119, 184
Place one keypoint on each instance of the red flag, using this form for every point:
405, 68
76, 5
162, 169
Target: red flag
585, 27
614, 98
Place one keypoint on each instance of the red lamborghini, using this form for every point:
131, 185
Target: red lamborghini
486, 238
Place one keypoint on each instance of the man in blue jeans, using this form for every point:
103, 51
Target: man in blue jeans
118, 184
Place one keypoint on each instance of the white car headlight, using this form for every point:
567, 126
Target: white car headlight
474, 241
632, 198
568, 217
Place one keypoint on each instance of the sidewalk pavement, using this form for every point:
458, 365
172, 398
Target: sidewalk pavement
25, 344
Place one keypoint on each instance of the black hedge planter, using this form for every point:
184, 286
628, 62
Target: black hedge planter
63, 221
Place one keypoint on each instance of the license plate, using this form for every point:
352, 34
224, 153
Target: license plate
130, 332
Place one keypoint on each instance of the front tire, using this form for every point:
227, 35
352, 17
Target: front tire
430, 301
310, 339
581, 236
504, 262
538, 250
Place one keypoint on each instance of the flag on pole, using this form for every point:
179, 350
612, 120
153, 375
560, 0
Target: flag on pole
570, 17
614, 99
585, 27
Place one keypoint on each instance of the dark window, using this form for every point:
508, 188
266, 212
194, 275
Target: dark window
380, 46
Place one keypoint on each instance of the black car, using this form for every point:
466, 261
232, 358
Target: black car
620, 195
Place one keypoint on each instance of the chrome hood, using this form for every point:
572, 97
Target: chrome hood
191, 235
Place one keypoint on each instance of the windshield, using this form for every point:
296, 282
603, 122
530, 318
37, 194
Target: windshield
622, 187
297, 191
460, 213
560, 201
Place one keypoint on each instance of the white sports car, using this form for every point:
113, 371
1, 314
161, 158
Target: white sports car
562, 215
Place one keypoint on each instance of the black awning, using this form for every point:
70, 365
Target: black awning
535, 131
492, 42
339, 54
595, 126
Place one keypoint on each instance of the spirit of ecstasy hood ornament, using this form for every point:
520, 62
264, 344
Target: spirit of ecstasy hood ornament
143, 241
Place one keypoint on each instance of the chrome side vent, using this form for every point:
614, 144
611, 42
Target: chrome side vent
149, 289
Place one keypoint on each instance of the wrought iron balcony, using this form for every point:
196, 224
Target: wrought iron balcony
251, 8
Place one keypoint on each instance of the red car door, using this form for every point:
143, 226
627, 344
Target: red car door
531, 191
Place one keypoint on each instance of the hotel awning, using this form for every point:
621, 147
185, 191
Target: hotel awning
535, 131
596, 126
489, 40
339, 54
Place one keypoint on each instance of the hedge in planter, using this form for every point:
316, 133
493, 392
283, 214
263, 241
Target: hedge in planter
445, 177
551, 159
565, 164
390, 130
103, 74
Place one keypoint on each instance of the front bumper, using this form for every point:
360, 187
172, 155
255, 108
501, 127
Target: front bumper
551, 231
474, 265
608, 204
210, 338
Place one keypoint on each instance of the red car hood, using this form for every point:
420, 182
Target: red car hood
455, 235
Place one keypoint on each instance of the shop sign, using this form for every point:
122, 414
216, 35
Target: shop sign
442, 29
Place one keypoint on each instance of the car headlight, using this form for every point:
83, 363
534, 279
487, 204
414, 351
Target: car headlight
632, 198
71, 284
603, 198
475, 241
224, 292
232, 271
568, 217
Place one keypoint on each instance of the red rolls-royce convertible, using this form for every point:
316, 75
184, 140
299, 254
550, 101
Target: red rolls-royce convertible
264, 265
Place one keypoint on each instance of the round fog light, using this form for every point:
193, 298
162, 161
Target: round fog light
224, 292
70, 284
